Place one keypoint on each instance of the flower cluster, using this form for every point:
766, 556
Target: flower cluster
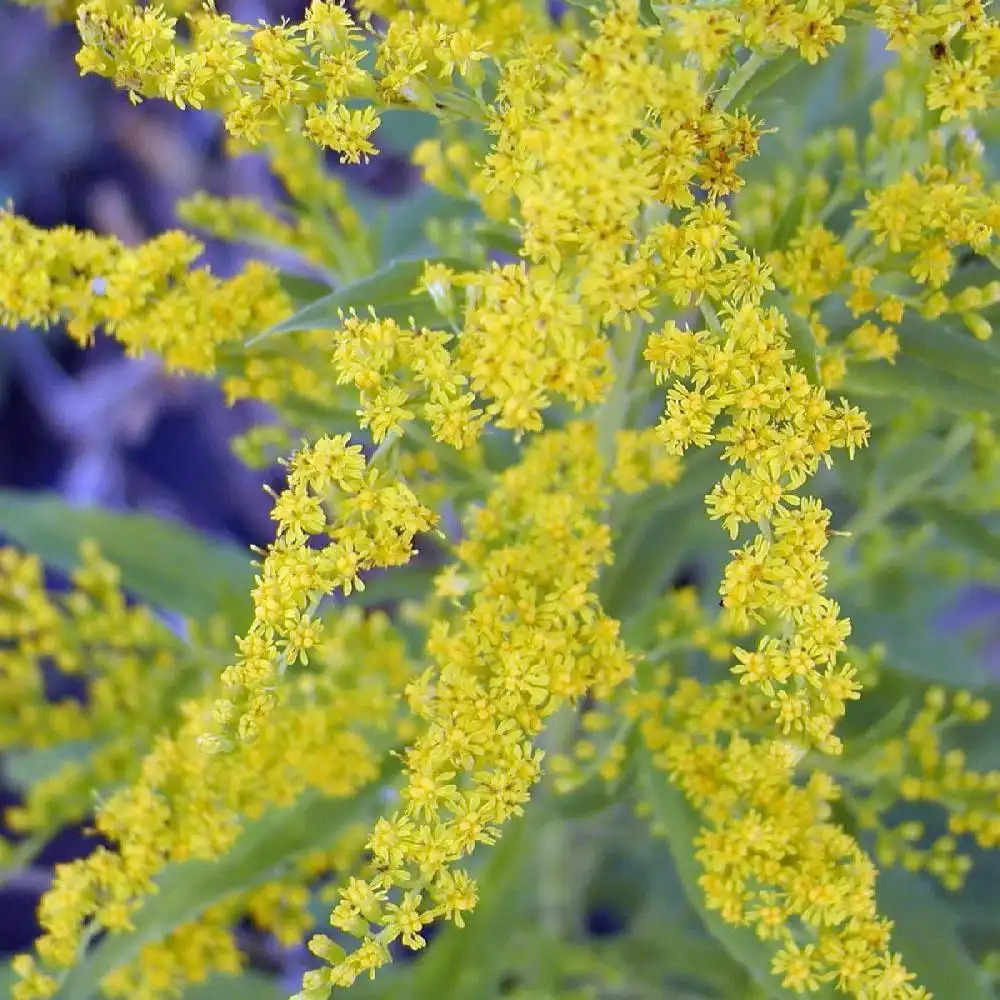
146, 297
549, 352
527, 637
963, 41
918, 767
259, 76
709, 34
773, 860
128, 666
780, 428
364, 518
926, 211
186, 804
549, 349
926, 217
395, 368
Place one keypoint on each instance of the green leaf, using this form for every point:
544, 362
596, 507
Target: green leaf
903, 621
918, 464
185, 890
954, 352
910, 378
7, 980
788, 222
401, 129
24, 768
868, 746
942, 365
765, 78
248, 986
496, 237
681, 826
950, 350
647, 13
593, 6
648, 555
162, 562
656, 535
302, 290
924, 933
961, 528
800, 338
403, 234
395, 584
389, 292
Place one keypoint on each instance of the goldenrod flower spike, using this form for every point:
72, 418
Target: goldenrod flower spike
527, 637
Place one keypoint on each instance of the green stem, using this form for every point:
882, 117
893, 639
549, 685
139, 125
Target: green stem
910, 486
854, 240
711, 316
23, 853
738, 80
842, 578
554, 854
342, 256
612, 415
905, 490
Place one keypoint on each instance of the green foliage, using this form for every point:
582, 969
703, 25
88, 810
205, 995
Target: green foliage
162, 562
249, 986
943, 964
390, 292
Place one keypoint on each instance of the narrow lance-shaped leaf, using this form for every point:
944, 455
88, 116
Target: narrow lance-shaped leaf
800, 339
398, 583
924, 933
954, 352
769, 73
165, 563
301, 289
913, 379
162, 562
389, 292
937, 363
962, 528
656, 534
248, 986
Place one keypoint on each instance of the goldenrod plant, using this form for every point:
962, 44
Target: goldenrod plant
500, 681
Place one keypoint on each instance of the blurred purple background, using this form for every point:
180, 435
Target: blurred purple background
89, 424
